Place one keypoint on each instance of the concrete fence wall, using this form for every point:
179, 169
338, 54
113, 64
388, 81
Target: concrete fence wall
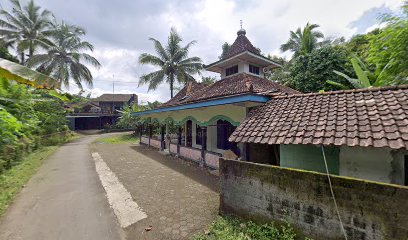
155, 143
212, 160
190, 153
173, 148
369, 210
145, 140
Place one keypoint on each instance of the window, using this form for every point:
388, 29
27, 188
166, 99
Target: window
253, 69
231, 70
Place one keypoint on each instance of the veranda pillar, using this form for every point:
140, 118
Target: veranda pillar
179, 139
150, 133
203, 143
162, 130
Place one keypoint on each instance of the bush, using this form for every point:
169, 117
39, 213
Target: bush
227, 228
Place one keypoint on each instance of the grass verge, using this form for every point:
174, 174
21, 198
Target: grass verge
118, 139
227, 228
12, 180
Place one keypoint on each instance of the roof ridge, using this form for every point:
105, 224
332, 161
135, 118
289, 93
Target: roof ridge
371, 89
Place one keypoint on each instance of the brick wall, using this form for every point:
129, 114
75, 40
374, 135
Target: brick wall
259, 192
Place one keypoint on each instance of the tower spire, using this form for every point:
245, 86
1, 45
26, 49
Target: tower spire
241, 31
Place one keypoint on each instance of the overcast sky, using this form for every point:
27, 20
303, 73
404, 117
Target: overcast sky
120, 29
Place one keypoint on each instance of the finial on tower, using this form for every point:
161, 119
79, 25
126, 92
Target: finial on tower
241, 31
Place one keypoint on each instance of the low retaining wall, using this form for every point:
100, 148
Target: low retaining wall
190, 153
173, 148
155, 143
262, 193
145, 140
212, 160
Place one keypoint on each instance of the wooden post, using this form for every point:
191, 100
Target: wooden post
162, 129
150, 133
179, 140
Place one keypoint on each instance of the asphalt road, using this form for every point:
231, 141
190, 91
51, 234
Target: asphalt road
63, 200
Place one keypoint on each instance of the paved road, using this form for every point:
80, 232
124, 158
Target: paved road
64, 200
179, 198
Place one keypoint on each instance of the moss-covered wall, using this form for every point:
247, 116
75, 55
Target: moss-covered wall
309, 157
369, 210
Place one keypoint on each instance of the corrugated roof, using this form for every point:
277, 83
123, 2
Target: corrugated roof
376, 117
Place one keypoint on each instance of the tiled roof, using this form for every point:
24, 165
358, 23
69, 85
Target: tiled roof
242, 83
241, 44
114, 97
188, 90
375, 117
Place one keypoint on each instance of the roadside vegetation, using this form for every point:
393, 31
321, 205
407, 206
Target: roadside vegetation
13, 180
228, 228
119, 139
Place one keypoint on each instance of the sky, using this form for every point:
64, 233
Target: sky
120, 30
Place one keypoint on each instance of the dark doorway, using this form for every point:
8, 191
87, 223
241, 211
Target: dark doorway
406, 170
201, 136
224, 131
189, 133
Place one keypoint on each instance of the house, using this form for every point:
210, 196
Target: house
205, 116
363, 133
100, 111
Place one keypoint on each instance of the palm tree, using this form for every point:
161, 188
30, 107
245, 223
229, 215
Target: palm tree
173, 62
303, 41
65, 56
24, 28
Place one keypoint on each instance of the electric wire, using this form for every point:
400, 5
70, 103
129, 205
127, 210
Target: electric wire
332, 193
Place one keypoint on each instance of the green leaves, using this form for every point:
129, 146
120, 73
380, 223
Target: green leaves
173, 62
25, 75
365, 78
303, 41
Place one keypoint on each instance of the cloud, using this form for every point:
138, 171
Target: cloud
120, 29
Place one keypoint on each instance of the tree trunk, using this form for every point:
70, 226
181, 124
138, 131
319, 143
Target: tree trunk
31, 51
22, 58
171, 84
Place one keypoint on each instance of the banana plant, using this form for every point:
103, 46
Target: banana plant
24, 75
365, 78
20, 74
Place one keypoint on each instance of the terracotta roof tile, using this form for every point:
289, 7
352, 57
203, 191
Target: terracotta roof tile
241, 44
188, 90
376, 117
229, 86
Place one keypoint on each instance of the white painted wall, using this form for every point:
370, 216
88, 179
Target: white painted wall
376, 164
